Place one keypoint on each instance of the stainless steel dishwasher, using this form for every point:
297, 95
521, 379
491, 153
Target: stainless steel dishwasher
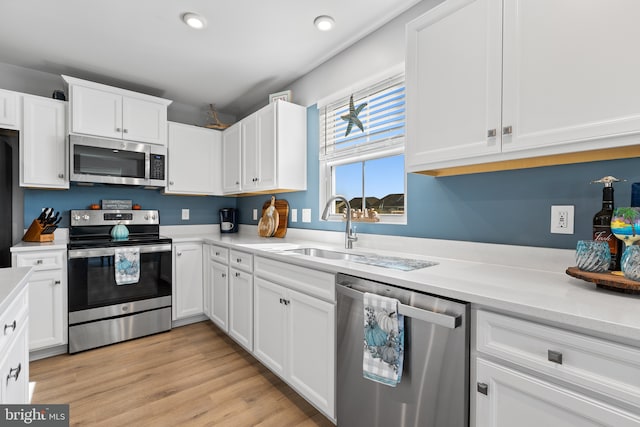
434, 389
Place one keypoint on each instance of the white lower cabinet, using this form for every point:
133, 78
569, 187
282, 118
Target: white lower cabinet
529, 374
294, 328
47, 296
14, 351
187, 280
241, 307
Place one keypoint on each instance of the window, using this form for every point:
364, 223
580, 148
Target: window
366, 165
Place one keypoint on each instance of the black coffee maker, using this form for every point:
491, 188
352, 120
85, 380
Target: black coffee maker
228, 220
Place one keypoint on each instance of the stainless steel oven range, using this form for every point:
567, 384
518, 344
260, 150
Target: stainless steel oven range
119, 289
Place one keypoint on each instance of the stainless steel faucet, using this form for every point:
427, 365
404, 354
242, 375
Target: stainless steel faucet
349, 233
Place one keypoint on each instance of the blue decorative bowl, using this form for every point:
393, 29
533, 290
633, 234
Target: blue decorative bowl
593, 256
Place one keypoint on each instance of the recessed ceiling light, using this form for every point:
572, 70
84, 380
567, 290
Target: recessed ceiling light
324, 22
194, 20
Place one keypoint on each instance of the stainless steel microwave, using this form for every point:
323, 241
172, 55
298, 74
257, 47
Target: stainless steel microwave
112, 161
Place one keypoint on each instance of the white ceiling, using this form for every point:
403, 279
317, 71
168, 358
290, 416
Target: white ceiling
250, 48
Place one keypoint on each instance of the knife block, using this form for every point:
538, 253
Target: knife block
34, 234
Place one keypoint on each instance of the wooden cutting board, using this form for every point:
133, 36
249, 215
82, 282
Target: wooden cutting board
282, 210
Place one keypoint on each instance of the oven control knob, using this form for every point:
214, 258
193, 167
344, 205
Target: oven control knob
85, 217
76, 217
153, 217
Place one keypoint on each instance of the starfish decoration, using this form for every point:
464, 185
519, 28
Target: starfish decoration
352, 117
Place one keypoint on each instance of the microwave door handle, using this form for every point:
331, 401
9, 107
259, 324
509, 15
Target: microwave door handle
428, 316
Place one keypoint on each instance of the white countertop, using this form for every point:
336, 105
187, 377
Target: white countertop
525, 281
12, 281
532, 284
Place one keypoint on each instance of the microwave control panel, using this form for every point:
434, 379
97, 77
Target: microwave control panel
157, 167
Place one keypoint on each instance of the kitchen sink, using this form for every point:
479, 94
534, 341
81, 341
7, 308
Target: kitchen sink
397, 263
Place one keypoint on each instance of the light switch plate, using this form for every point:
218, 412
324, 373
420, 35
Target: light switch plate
185, 214
306, 215
294, 215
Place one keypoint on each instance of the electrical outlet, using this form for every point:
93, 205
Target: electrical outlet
255, 214
562, 219
185, 214
294, 215
306, 215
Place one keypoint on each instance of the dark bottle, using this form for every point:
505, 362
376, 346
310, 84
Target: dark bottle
602, 223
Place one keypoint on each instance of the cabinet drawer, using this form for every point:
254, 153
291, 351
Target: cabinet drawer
309, 281
219, 253
40, 260
241, 260
602, 366
12, 319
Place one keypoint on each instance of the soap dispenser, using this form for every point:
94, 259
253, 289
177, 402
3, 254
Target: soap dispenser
602, 222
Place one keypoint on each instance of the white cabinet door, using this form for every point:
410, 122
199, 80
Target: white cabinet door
43, 143
250, 152
567, 77
270, 325
219, 302
453, 82
47, 309
231, 158
311, 349
144, 121
241, 308
266, 129
517, 399
187, 282
14, 369
9, 101
96, 112
194, 159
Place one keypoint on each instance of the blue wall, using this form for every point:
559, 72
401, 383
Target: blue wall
510, 207
202, 209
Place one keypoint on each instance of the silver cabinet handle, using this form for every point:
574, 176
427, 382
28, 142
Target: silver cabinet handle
61, 175
57, 282
491, 133
14, 373
125, 130
217, 253
239, 260
10, 325
554, 356
118, 130
507, 130
179, 253
39, 261
170, 182
483, 388
237, 274
224, 275
237, 182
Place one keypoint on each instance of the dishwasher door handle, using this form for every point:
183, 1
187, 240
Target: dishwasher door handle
440, 319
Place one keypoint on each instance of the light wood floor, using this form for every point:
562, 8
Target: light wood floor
191, 376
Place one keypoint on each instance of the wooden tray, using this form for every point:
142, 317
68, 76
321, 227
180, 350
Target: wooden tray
282, 207
607, 280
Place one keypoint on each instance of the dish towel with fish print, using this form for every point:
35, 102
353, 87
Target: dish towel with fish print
383, 353
127, 265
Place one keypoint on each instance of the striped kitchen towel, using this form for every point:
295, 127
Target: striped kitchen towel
127, 265
383, 353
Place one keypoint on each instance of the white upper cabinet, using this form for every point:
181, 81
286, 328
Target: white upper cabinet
231, 161
9, 109
43, 147
110, 112
272, 152
495, 80
194, 165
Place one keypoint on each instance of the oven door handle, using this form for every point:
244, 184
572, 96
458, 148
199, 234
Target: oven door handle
95, 252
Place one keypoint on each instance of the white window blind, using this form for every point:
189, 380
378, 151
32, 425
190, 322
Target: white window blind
383, 120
